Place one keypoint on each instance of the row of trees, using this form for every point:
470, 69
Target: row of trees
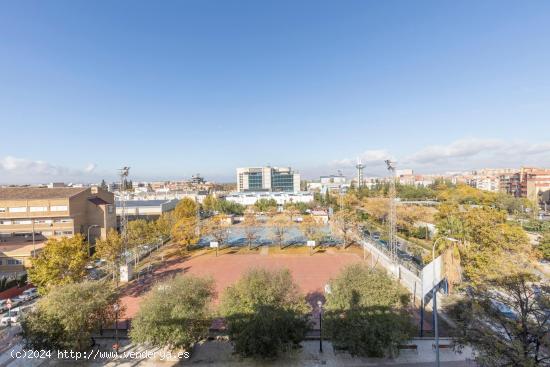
266, 313
63, 260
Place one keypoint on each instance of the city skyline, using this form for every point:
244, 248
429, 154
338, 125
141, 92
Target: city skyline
182, 88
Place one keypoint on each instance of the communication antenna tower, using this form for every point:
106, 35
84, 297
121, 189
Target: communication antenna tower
392, 242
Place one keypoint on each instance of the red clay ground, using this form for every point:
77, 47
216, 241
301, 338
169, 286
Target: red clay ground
311, 273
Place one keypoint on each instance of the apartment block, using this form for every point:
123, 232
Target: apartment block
31, 215
530, 182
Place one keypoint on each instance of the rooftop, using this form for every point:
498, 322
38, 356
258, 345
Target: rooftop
39, 193
136, 203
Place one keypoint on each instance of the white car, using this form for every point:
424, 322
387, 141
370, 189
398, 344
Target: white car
29, 294
12, 318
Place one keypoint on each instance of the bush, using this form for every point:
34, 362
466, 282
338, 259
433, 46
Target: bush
368, 331
67, 316
365, 312
267, 331
174, 314
265, 312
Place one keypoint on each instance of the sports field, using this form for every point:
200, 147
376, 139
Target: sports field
311, 273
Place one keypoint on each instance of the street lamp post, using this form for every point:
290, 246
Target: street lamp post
88, 238
116, 308
320, 304
434, 291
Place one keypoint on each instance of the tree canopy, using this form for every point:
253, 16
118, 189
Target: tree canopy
265, 312
265, 205
61, 261
488, 242
174, 313
365, 312
110, 249
67, 316
507, 321
186, 208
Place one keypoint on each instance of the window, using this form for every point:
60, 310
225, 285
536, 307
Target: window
2, 210
24, 221
18, 209
63, 220
58, 208
57, 233
67, 233
46, 233
5, 222
38, 209
15, 262
110, 209
42, 221
0, 262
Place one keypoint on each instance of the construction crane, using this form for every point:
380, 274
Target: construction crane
392, 223
123, 173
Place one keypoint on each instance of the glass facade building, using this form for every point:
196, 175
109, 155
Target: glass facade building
265, 179
282, 181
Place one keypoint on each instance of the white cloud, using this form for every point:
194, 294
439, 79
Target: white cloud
22, 170
463, 154
368, 158
478, 153
90, 167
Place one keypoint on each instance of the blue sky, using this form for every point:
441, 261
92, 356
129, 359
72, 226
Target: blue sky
175, 88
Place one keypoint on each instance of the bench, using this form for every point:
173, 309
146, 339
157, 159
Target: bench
442, 346
408, 347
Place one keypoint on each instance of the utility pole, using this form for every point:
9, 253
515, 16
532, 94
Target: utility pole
393, 213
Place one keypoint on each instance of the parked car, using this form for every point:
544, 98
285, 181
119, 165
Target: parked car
29, 294
10, 317
3, 305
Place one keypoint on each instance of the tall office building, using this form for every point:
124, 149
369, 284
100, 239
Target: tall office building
277, 179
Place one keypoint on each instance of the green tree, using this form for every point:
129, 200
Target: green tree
265, 205
279, 228
210, 203
61, 261
544, 246
185, 233
310, 228
139, 232
365, 312
265, 312
489, 243
175, 313
250, 228
67, 316
507, 321
345, 224
163, 225
110, 249
103, 185
186, 208
217, 229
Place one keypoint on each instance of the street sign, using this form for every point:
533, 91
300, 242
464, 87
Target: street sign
428, 272
214, 244
310, 243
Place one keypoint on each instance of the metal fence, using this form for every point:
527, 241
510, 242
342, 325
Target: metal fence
408, 278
